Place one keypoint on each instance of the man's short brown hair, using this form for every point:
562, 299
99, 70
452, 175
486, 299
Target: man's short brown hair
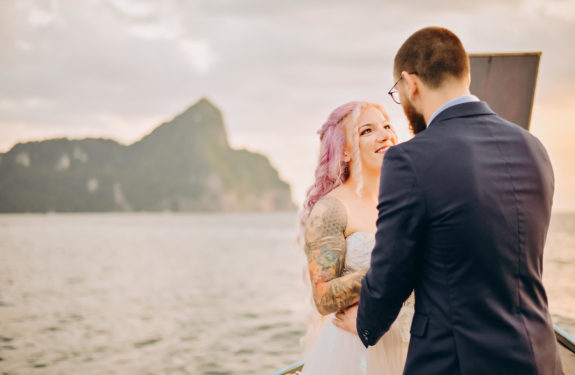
435, 53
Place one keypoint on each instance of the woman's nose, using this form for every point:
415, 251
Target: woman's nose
383, 134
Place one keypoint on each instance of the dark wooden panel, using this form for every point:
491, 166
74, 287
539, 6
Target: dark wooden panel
506, 81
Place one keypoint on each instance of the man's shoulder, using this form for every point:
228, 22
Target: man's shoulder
415, 143
405, 154
503, 126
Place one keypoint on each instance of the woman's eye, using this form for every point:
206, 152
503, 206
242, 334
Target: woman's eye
365, 131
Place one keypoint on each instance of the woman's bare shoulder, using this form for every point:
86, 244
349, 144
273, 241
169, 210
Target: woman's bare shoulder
329, 214
329, 205
341, 193
357, 218
342, 196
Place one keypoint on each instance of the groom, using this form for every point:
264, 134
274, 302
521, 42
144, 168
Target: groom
464, 208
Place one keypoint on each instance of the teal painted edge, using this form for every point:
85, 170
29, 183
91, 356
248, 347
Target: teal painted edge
291, 367
564, 338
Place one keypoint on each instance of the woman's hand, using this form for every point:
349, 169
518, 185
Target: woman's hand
346, 319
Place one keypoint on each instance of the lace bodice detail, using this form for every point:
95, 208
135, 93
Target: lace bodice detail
358, 252
357, 256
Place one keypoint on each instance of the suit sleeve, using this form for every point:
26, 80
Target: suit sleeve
390, 279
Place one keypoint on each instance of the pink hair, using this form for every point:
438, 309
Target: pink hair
332, 170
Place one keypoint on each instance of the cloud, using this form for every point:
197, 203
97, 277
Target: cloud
140, 10
41, 16
276, 69
199, 54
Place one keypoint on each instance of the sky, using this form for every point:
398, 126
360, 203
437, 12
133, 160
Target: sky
119, 68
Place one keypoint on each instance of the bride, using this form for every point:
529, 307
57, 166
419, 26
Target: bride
338, 222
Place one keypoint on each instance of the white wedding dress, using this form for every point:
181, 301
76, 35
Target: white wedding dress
337, 352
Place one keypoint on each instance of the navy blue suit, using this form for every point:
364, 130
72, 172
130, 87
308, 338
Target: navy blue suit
464, 208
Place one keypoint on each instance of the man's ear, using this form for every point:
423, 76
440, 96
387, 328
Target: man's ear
413, 85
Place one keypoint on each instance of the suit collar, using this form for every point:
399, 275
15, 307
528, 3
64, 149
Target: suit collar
463, 110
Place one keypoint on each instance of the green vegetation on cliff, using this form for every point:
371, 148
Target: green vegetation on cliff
185, 164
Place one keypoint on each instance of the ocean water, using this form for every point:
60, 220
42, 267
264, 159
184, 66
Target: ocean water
173, 293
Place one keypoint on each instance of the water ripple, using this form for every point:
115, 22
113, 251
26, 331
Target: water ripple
173, 294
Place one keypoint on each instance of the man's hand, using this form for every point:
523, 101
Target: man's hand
346, 319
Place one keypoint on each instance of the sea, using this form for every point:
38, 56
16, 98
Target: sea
168, 293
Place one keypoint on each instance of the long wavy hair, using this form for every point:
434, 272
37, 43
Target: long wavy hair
332, 171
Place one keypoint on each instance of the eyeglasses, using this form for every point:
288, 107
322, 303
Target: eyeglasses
393, 91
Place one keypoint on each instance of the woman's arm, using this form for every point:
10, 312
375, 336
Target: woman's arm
325, 248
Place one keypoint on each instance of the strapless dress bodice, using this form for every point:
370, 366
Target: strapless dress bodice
337, 352
358, 256
358, 253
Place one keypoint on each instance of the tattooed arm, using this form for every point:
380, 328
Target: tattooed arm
325, 248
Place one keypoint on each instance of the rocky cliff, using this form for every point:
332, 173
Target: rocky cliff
185, 164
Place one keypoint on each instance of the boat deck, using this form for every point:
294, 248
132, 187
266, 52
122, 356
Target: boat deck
568, 360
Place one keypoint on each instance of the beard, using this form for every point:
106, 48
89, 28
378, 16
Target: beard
417, 123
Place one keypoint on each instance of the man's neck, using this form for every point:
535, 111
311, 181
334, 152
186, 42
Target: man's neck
438, 97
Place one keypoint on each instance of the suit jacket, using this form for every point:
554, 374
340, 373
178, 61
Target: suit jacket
464, 209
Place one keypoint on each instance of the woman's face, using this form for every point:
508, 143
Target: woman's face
375, 135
